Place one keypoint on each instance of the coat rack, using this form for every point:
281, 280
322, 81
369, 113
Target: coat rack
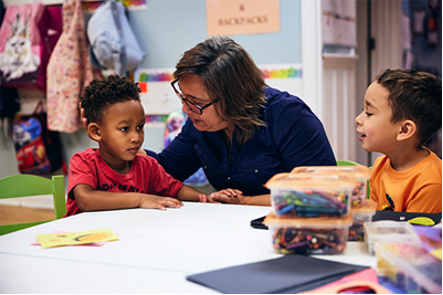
45, 2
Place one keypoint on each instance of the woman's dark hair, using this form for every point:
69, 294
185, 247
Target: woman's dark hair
416, 96
230, 75
99, 95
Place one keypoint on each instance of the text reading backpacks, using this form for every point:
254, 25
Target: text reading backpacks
112, 42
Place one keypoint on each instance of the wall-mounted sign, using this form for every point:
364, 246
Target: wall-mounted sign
235, 17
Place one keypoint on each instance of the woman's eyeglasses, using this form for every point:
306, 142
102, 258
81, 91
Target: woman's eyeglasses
193, 107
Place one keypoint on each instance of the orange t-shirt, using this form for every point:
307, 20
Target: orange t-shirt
417, 189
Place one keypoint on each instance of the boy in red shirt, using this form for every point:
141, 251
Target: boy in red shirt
402, 111
114, 176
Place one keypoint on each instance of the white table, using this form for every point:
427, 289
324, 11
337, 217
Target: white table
155, 252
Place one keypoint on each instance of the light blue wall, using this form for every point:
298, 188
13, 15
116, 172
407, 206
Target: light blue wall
170, 27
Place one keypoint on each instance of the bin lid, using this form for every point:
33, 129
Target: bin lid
307, 222
311, 180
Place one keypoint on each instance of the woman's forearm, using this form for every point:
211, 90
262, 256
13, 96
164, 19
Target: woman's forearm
259, 200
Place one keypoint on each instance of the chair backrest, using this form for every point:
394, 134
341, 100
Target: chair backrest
26, 185
352, 163
347, 163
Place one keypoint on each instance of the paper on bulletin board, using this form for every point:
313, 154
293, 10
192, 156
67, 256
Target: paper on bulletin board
157, 96
339, 25
235, 17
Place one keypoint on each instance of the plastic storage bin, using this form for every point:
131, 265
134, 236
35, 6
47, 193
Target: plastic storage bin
362, 214
310, 195
388, 231
361, 173
304, 235
409, 266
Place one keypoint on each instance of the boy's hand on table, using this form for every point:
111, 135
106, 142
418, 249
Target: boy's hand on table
156, 202
230, 196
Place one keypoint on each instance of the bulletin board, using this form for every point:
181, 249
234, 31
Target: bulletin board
158, 98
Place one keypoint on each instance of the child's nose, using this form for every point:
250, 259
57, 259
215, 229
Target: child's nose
136, 137
357, 119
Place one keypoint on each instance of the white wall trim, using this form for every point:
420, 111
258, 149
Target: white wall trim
339, 105
312, 47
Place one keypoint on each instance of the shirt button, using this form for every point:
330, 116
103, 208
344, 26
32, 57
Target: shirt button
256, 170
229, 178
205, 167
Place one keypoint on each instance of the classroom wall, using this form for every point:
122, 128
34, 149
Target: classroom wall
165, 30
426, 57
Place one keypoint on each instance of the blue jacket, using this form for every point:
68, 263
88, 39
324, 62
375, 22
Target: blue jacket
293, 136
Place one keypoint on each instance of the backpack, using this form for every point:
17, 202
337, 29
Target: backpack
38, 150
27, 37
113, 44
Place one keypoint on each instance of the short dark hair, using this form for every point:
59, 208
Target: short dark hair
416, 96
99, 95
230, 75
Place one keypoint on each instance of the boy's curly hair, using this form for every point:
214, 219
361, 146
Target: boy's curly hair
416, 96
99, 95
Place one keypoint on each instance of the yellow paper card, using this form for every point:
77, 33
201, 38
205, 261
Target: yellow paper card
436, 253
86, 237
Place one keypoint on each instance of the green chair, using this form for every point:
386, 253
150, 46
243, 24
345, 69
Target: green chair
25, 185
352, 163
347, 163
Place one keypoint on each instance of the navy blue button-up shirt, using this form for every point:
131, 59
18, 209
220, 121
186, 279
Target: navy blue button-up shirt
293, 136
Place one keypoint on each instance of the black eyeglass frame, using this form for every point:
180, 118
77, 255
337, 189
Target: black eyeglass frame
188, 103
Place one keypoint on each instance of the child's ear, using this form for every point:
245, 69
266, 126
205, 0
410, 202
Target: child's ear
407, 129
94, 131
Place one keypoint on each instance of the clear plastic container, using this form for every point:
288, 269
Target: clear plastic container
409, 266
384, 231
362, 214
303, 235
361, 173
310, 195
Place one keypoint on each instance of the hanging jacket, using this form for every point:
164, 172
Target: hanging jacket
69, 71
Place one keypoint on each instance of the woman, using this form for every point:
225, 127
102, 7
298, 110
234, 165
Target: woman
240, 131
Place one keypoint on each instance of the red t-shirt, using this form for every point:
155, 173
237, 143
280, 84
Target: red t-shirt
145, 176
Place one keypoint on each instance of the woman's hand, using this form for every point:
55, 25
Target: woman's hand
207, 199
82, 115
230, 196
142, 151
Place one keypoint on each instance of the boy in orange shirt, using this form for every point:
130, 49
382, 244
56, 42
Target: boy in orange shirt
402, 111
